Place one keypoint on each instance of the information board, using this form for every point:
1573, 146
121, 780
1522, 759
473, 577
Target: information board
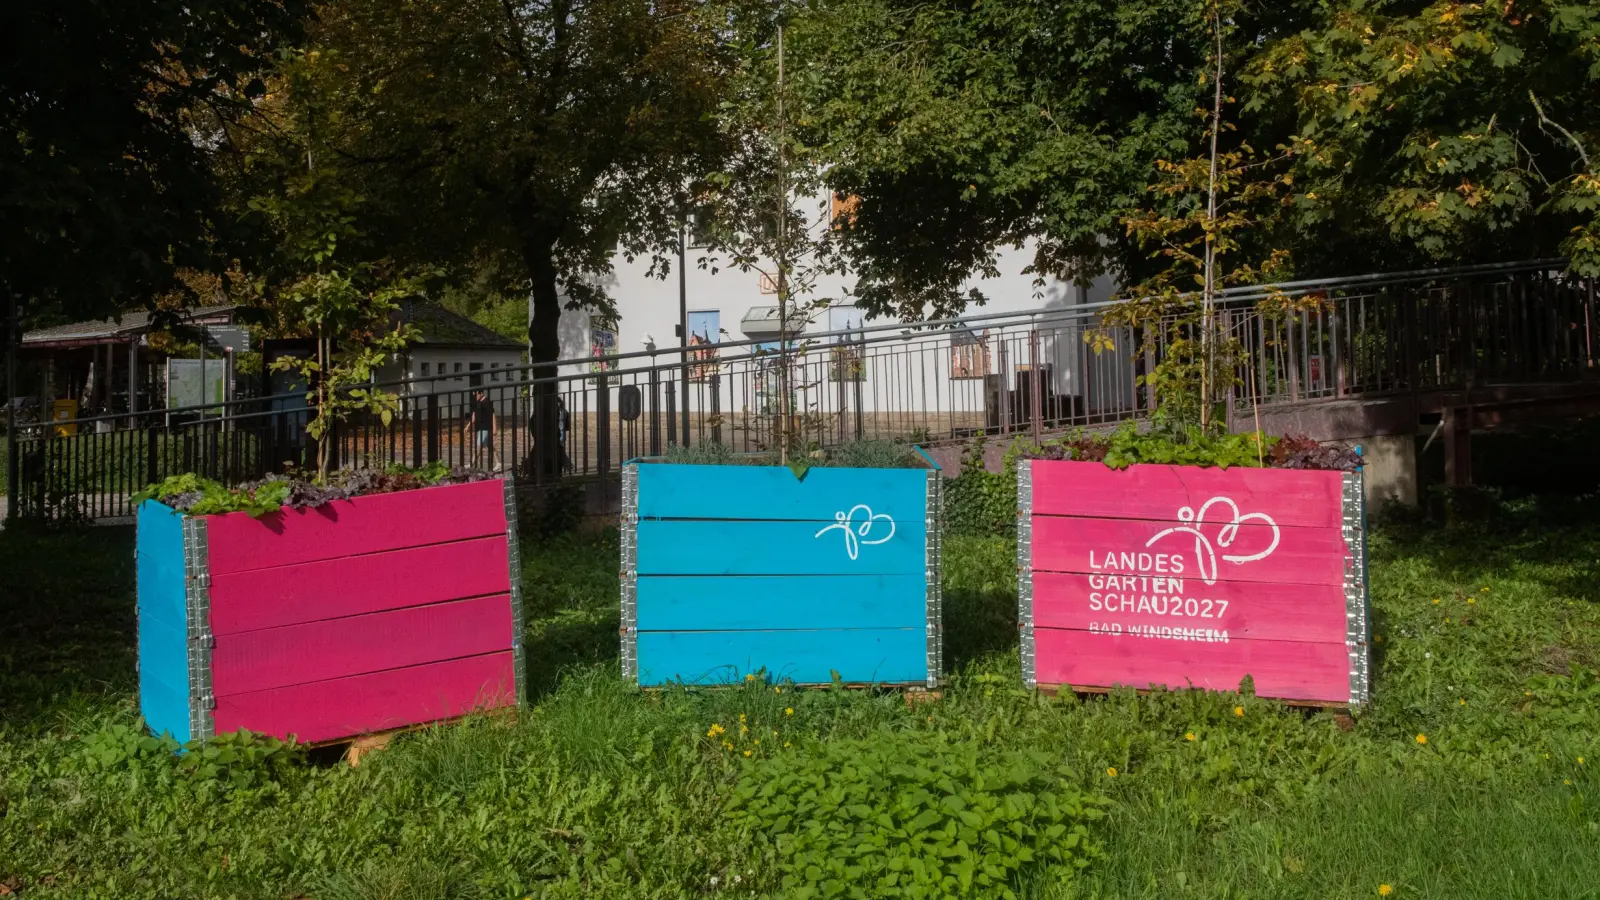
188, 386
1180, 576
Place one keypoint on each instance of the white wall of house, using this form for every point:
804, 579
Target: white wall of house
424, 365
648, 309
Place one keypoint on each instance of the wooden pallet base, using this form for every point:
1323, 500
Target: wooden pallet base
1332, 705
357, 747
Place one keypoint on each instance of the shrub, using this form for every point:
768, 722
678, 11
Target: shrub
914, 818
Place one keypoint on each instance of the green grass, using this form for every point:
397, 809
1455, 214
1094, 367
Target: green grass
601, 791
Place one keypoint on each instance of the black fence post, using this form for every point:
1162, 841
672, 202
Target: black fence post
672, 412
416, 433
602, 437
433, 428
152, 454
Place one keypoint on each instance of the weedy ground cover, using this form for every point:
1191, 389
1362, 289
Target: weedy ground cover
1471, 775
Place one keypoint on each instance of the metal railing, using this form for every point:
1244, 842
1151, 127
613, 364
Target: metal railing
1031, 372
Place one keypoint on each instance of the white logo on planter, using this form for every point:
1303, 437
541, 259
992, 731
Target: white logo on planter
1203, 550
855, 532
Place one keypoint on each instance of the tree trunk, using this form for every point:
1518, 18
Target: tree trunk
544, 348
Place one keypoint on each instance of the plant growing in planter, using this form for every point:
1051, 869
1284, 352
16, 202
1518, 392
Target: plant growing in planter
1147, 562
737, 567
322, 610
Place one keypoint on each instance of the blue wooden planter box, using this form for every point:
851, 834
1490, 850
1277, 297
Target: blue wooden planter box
733, 570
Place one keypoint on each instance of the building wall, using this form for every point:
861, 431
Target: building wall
648, 313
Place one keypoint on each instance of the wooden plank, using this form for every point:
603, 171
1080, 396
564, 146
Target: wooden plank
371, 524
1289, 670
357, 585
697, 603
879, 655
1288, 555
1293, 498
1255, 611
163, 623
335, 648
344, 707
782, 548
773, 492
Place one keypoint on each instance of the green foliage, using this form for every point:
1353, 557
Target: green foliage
200, 496
980, 502
917, 818
601, 790
873, 455
865, 454
111, 191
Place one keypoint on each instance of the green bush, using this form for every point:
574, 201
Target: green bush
915, 818
979, 502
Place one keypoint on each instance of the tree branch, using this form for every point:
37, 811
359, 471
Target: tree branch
1546, 120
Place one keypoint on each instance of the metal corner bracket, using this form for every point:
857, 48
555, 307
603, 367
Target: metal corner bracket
519, 622
1357, 618
200, 640
630, 571
1025, 642
935, 577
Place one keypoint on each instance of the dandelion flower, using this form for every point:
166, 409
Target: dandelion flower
1567, 781
1463, 701
1472, 599
1580, 760
777, 690
1385, 890
741, 717
1422, 739
1112, 771
1238, 711
1189, 736
750, 677
786, 744
1436, 601
1483, 589
788, 710
747, 753
715, 730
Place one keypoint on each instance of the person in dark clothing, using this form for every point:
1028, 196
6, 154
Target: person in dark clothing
563, 428
480, 428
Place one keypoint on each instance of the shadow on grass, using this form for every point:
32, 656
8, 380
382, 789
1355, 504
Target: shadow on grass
572, 600
70, 618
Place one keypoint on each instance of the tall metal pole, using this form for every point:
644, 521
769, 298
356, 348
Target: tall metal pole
783, 270
683, 315
13, 341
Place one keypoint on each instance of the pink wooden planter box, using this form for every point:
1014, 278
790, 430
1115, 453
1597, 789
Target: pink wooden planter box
1179, 576
358, 616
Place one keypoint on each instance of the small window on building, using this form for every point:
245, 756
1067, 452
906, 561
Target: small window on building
457, 369
493, 375
425, 368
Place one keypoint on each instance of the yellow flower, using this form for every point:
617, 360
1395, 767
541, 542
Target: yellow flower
1238, 711
786, 743
1567, 781
1422, 739
1436, 601
1482, 589
1385, 890
1112, 771
715, 730
788, 710
756, 741
750, 677
1463, 701
747, 753
777, 690
1189, 736
741, 717
727, 745
1472, 599
1580, 760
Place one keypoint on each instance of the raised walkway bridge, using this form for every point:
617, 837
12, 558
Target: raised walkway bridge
1375, 359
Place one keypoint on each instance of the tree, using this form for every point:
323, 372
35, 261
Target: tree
111, 111
532, 137
964, 127
1437, 132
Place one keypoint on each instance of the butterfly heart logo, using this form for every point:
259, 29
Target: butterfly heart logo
1220, 532
856, 529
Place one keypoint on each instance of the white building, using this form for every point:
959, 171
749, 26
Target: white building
948, 371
